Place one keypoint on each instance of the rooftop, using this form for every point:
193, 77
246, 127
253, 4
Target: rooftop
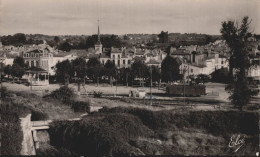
152, 61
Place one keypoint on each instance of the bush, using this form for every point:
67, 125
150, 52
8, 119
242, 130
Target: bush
3, 92
97, 94
64, 94
81, 106
111, 130
220, 76
215, 122
38, 115
97, 134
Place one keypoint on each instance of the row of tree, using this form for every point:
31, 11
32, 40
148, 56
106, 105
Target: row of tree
94, 70
107, 42
18, 39
17, 70
79, 69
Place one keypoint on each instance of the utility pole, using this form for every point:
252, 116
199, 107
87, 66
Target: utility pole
151, 100
184, 71
116, 83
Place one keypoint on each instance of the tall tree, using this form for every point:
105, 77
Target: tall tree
19, 38
56, 39
170, 69
17, 71
125, 75
20, 61
80, 68
65, 46
163, 37
8, 70
94, 69
140, 70
156, 74
236, 38
110, 70
64, 71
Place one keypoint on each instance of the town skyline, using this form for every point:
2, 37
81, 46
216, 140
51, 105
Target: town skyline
128, 17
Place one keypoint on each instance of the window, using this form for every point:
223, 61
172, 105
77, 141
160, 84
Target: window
118, 56
118, 62
113, 56
191, 70
123, 61
103, 62
222, 62
129, 61
32, 63
114, 61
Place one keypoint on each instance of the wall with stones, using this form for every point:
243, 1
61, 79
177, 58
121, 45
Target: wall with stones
27, 144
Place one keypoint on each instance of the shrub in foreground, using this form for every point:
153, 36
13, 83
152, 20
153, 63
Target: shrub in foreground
38, 115
98, 135
81, 106
64, 94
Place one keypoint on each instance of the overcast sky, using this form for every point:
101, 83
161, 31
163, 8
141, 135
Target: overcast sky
60, 17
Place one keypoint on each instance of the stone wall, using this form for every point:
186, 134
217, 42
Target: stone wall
27, 144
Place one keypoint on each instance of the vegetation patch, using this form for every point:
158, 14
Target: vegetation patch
64, 94
98, 134
12, 135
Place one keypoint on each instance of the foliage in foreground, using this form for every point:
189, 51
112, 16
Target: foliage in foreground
120, 131
236, 38
11, 133
98, 135
64, 94
81, 106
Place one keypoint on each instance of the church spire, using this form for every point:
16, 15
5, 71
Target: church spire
98, 45
98, 32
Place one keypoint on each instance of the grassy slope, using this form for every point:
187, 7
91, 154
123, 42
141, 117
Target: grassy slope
53, 108
137, 131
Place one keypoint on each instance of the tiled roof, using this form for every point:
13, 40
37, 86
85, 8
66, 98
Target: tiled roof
180, 52
36, 69
93, 56
104, 56
34, 51
116, 50
152, 61
7, 54
139, 58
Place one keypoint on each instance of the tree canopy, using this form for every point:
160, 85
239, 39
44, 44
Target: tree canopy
80, 67
94, 69
20, 61
163, 37
170, 69
110, 70
236, 38
18, 38
17, 70
64, 71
